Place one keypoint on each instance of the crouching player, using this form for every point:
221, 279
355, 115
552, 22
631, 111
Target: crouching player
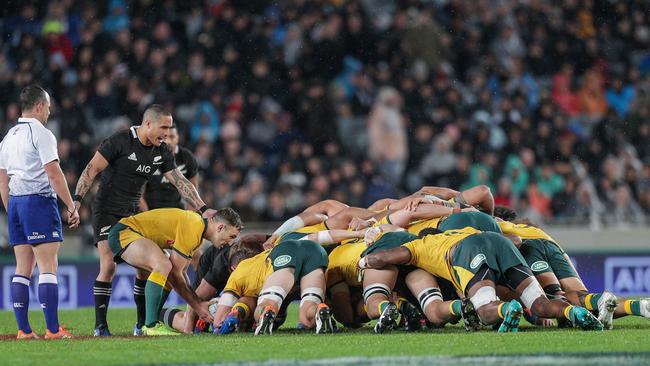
139, 241
269, 277
407, 280
212, 272
553, 269
475, 262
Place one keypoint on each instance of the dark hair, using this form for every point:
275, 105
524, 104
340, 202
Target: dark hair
229, 216
525, 221
240, 251
30, 96
505, 213
155, 111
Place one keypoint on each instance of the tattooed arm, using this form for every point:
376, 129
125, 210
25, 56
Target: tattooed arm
96, 165
186, 189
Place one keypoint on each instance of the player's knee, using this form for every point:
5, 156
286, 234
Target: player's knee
481, 301
163, 266
107, 268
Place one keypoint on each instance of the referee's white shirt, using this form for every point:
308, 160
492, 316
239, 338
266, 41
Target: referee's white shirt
23, 152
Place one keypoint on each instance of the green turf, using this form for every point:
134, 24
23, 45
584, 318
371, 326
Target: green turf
630, 335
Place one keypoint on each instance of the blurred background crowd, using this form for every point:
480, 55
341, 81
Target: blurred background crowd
286, 103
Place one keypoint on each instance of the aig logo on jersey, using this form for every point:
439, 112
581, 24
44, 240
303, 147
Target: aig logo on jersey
628, 276
143, 169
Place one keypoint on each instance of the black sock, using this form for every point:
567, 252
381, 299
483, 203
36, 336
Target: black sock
102, 293
167, 316
140, 304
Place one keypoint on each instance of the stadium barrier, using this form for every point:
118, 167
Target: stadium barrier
624, 274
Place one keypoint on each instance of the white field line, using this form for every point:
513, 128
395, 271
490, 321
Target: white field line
519, 360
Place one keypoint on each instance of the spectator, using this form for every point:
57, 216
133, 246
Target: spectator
386, 123
312, 102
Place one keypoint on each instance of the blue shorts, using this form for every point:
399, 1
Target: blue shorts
34, 219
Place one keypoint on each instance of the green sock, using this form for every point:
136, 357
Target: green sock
382, 306
455, 307
153, 292
633, 307
163, 298
591, 301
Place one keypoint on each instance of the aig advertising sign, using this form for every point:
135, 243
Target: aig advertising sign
628, 276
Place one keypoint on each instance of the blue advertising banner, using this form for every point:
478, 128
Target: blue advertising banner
76, 286
625, 275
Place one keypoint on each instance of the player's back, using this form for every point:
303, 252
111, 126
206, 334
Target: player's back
524, 231
249, 276
430, 253
343, 262
169, 227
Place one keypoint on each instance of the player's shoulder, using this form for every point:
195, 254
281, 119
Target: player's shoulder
120, 138
126, 135
182, 150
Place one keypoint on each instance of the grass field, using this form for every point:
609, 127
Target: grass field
628, 343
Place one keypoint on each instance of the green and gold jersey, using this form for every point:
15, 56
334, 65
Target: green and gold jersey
249, 276
170, 228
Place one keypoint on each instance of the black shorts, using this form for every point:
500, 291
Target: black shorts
102, 224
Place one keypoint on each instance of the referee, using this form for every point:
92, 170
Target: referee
30, 180
127, 160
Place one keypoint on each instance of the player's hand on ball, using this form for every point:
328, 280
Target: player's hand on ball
203, 312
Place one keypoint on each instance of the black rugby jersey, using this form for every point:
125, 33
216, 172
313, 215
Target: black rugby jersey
160, 193
214, 268
130, 165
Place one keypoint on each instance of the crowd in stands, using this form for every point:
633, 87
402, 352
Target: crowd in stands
286, 103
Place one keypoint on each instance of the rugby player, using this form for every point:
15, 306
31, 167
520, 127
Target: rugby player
127, 160
212, 272
409, 281
558, 277
30, 181
270, 276
139, 241
429, 294
160, 193
475, 262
